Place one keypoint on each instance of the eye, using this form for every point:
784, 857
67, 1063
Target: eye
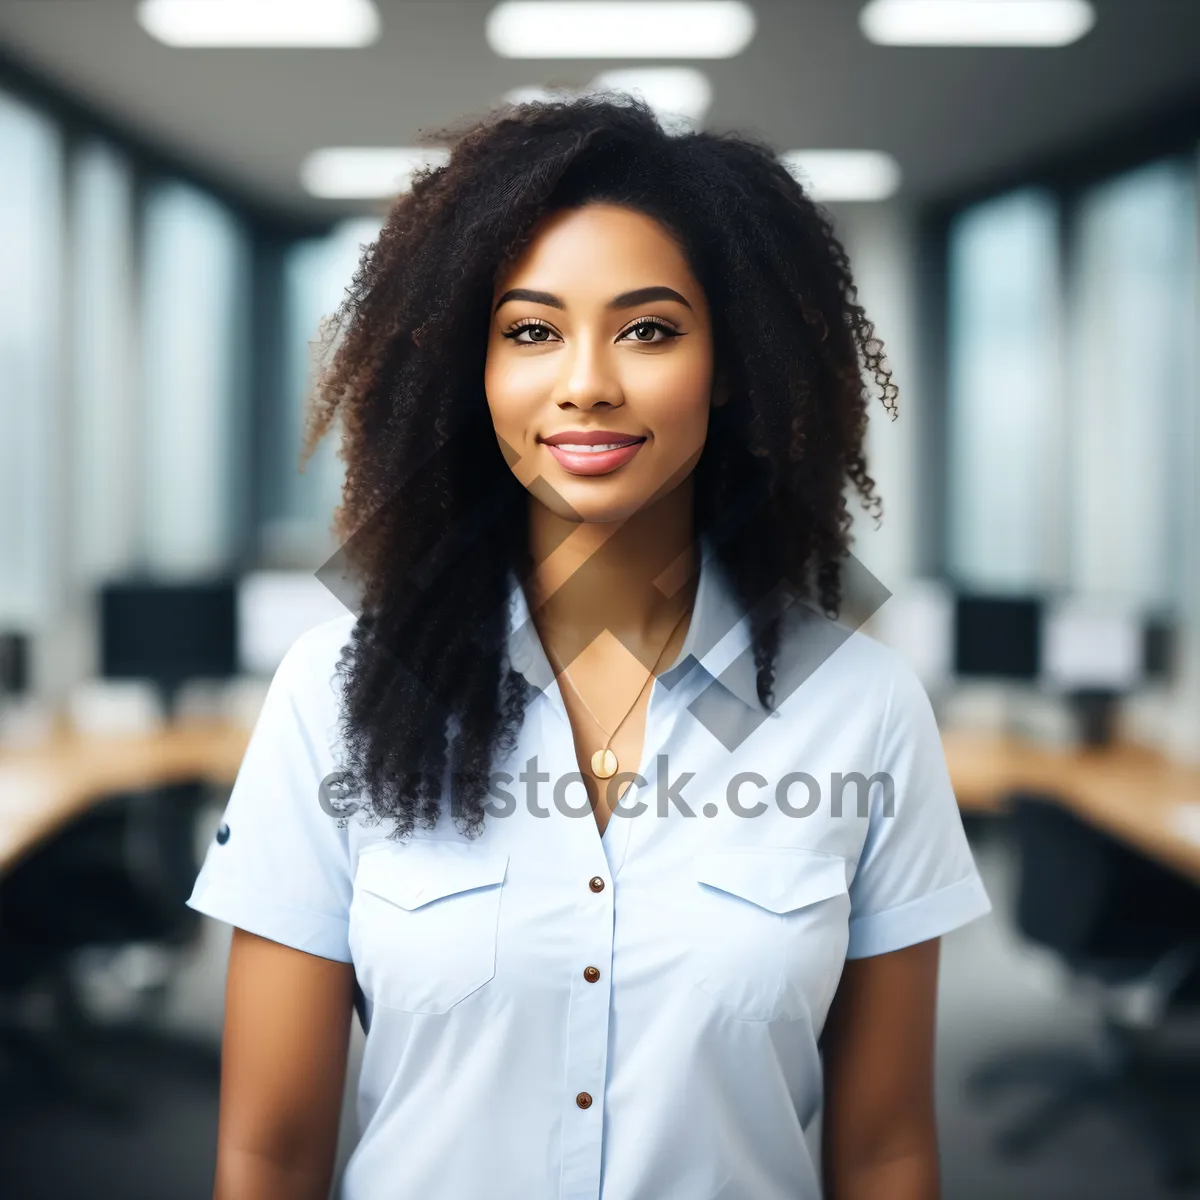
539, 333
645, 331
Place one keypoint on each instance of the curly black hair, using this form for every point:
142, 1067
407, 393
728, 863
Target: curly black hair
432, 519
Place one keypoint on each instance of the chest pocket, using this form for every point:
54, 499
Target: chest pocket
423, 921
769, 931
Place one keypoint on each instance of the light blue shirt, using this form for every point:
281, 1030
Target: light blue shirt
553, 1014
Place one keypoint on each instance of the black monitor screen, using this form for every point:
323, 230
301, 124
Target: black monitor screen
14, 663
168, 631
1158, 648
997, 637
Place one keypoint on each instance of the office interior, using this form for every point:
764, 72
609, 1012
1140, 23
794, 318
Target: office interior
1022, 219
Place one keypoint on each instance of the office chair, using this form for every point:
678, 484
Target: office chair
119, 875
1129, 930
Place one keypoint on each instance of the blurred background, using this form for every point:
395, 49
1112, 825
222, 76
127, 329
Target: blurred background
186, 187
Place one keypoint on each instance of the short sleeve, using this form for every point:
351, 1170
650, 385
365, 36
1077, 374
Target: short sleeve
279, 863
916, 878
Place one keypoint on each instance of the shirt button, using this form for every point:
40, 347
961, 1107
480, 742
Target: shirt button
591, 974
583, 1100
596, 883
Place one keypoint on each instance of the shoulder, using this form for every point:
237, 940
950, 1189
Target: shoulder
308, 670
850, 667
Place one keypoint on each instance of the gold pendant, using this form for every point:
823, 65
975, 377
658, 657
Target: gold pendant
604, 763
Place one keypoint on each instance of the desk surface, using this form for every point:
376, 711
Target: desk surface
42, 788
1133, 793
1138, 796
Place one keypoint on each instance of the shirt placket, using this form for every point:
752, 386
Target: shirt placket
590, 965
587, 1038
589, 1019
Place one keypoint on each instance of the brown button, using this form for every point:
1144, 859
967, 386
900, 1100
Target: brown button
596, 883
583, 1100
591, 974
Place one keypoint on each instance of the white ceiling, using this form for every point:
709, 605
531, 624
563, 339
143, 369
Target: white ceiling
952, 117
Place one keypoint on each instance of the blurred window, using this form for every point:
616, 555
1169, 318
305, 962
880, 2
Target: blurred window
1005, 399
1132, 348
317, 272
30, 263
103, 393
196, 426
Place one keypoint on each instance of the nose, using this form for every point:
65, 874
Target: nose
589, 378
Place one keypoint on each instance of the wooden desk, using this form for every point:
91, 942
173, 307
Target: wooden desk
43, 788
1133, 794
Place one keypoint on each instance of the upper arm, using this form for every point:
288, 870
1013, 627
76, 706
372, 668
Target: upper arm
280, 873
878, 1129
283, 1070
915, 878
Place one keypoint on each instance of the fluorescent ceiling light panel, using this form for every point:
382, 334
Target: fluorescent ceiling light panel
274, 23
365, 172
678, 95
976, 22
620, 28
844, 174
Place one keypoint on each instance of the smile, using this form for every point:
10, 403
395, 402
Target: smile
600, 458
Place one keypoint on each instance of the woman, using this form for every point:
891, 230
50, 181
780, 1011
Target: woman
594, 813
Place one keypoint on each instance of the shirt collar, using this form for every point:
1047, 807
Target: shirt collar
718, 642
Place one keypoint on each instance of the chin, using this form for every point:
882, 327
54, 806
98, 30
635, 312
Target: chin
574, 504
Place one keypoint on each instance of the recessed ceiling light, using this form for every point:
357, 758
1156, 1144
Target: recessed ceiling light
679, 96
620, 28
290, 23
976, 22
365, 172
844, 174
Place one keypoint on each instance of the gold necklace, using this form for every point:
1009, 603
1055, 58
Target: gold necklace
604, 761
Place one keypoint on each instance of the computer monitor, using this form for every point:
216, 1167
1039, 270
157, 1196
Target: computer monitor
997, 637
14, 664
168, 632
273, 609
1089, 649
1158, 648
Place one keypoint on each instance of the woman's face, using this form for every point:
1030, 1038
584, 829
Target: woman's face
600, 334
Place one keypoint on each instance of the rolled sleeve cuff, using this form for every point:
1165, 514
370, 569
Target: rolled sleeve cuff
316, 933
919, 920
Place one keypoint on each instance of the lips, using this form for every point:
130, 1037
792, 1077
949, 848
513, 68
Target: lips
587, 439
594, 451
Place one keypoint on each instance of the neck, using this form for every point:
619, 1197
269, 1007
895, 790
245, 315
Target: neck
633, 578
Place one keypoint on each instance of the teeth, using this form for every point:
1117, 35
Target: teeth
593, 449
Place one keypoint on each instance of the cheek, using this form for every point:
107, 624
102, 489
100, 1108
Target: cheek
675, 397
512, 403
507, 392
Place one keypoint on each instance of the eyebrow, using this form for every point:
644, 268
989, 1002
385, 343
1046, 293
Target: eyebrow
624, 300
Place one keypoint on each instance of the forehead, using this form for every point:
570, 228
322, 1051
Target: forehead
602, 248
